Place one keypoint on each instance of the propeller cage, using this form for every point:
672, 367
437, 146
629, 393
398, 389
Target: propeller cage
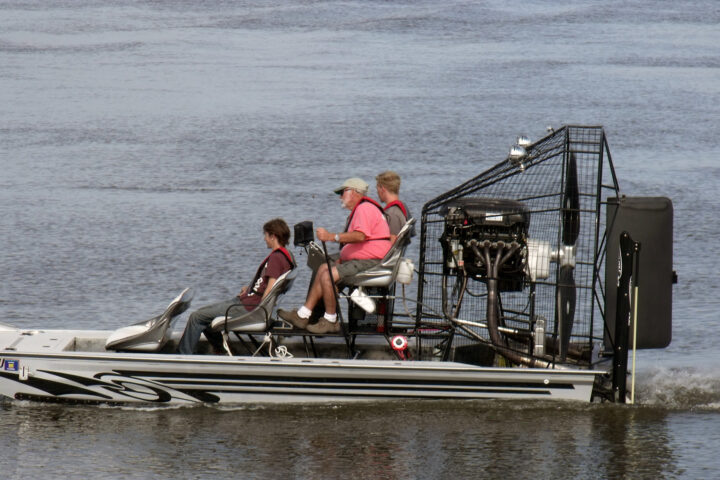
546, 269
480, 232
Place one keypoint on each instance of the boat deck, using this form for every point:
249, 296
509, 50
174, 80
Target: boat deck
93, 341
53, 340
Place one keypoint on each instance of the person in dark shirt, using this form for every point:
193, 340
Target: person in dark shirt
388, 190
277, 235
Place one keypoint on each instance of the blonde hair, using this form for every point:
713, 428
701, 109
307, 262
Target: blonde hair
390, 180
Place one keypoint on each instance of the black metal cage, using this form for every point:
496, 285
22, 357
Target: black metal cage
514, 257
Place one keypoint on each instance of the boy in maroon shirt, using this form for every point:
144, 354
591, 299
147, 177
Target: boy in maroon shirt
277, 235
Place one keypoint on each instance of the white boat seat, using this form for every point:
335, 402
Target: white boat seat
150, 335
257, 320
384, 273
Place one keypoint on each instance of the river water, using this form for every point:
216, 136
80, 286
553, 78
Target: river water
144, 144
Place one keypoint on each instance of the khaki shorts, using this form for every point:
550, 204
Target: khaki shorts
352, 267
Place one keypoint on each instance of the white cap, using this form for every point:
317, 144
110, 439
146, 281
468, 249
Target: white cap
354, 183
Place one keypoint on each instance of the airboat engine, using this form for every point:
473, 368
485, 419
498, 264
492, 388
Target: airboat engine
486, 239
474, 223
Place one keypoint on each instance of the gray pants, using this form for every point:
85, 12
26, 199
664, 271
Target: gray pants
199, 322
352, 267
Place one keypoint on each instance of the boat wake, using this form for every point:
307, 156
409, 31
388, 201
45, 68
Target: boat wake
680, 388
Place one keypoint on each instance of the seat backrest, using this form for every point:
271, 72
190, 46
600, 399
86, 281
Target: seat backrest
150, 335
401, 242
258, 318
384, 273
280, 287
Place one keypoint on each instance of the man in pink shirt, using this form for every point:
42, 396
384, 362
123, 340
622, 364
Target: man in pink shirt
364, 242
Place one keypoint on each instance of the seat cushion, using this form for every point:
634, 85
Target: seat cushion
252, 324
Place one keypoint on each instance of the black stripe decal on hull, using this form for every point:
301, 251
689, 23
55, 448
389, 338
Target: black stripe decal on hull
173, 378
384, 393
212, 396
54, 388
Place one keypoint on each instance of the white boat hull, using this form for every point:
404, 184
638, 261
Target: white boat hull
43, 369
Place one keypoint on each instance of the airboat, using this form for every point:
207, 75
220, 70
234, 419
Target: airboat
528, 286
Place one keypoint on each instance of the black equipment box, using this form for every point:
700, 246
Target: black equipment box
303, 233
